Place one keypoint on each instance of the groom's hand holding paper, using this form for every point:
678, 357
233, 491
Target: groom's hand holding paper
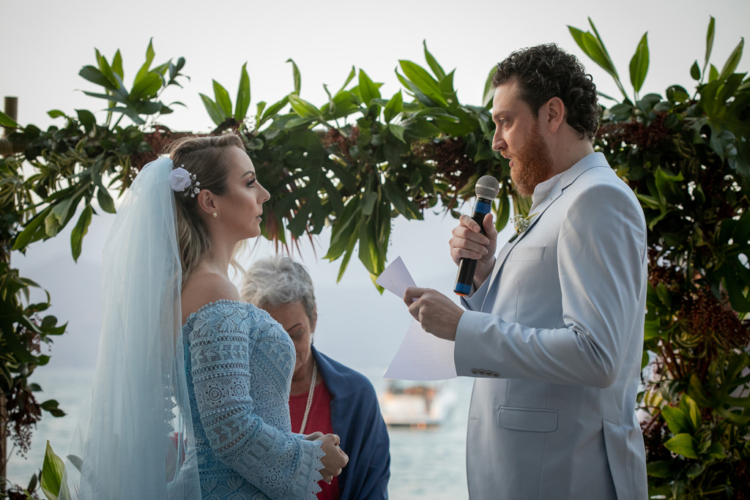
437, 314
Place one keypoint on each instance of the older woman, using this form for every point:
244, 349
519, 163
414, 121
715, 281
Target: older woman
326, 396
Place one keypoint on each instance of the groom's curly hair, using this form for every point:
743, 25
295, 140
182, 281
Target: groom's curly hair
547, 71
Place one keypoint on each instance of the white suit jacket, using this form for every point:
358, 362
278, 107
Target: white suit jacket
554, 339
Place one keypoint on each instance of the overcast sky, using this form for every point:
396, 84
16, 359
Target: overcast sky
43, 45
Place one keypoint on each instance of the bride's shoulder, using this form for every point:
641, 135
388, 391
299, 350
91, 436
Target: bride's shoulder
203, 288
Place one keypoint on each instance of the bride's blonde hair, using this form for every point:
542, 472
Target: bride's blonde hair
204, 157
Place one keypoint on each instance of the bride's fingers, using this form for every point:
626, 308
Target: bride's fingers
327, 476
314, 436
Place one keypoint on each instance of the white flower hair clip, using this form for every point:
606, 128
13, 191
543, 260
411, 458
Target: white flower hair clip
181, 181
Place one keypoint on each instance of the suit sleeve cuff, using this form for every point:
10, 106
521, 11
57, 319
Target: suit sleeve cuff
464, 351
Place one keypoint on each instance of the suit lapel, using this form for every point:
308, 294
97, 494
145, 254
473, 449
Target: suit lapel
566, 180
503, 255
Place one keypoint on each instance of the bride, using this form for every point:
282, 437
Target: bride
191, 387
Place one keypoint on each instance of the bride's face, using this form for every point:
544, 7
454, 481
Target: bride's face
239, 211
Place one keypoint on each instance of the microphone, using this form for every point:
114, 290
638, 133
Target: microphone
487, 189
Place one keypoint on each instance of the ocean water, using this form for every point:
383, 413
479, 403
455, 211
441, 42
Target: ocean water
425, 464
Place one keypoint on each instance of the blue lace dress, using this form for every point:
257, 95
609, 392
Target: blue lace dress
239, 365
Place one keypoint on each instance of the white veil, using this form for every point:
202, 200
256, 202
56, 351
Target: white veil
137, 441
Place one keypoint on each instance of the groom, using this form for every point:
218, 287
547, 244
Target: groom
553, 330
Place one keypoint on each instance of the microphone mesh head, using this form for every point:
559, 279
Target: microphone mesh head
487, 187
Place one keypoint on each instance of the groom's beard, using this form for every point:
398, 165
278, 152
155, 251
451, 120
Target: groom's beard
532, 164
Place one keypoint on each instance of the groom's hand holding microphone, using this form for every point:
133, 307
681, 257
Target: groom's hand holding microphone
438, 314
472, 248
468, 242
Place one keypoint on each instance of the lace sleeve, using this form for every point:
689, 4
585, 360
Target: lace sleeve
278, 463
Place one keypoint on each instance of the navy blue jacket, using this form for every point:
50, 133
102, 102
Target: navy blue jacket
356, 419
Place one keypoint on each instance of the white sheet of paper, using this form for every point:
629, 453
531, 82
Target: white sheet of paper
396, 278
421, 356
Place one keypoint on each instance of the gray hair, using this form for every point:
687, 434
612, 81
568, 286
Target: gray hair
278, 280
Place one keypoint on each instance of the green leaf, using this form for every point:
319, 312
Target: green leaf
695, 469
93, 75
398, 131
343, 227
296, 75
400, 201
423, 80
693, 412
367, 88
349, 251
503, 211
351, 76
7, 121
437, 70
639, 64
676, 419
243, 95
682, 444
105, 68
368, 203
213, 110
695, 389
87, 119
56, 113
79, 231
31, 229
146, 65
733, 61
695, 71
105, 200
304, 109
594, 47
661, 468
664, 296
76, 461
222, 100
368, 254
709, 40
52, 475
394, 107
716, 450
489, 89
117, 65
32, 483
147, 86
667, 184
61, 209
713, 74
274, 109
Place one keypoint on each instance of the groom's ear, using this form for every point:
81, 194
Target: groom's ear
554, 114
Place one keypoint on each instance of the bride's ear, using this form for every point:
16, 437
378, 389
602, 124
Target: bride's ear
206, 202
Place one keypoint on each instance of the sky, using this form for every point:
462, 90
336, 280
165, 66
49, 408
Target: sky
43, 45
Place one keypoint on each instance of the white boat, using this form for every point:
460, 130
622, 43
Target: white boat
416, 404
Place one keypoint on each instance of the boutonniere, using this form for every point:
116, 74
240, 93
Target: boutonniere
521, 224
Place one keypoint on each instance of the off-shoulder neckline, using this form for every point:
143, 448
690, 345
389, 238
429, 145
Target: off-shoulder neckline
220, 301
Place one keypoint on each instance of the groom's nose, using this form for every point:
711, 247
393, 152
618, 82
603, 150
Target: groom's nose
498, 143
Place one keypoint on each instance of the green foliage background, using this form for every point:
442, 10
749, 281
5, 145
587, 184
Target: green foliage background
361, 159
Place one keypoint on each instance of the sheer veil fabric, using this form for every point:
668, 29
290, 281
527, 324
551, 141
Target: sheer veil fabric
136, 439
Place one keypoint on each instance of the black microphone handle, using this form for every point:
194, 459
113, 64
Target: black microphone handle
467, 267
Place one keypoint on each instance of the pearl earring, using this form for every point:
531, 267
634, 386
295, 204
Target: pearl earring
215, 214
